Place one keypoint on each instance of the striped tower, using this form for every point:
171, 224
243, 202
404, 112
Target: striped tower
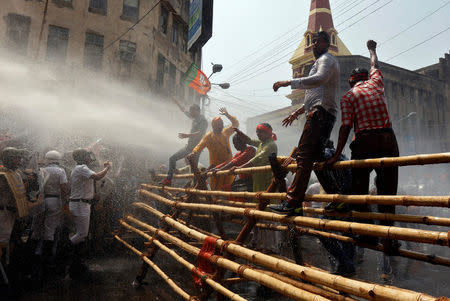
320, 18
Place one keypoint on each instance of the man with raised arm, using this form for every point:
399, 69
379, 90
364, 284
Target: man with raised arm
320, 107
218, 144
364, 108
198, 129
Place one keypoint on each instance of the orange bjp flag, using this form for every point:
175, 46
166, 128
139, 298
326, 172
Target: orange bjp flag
197, 80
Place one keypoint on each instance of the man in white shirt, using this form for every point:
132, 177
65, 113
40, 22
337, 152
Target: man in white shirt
46, 223
81, 195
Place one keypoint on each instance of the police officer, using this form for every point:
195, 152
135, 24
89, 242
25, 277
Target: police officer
10, 158
81, 196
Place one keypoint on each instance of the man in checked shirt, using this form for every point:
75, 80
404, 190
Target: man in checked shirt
364, 108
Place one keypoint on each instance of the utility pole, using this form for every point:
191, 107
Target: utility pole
44, 17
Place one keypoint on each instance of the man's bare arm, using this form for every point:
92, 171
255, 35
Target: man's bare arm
372, 46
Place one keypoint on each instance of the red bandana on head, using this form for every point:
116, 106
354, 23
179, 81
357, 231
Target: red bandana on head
358, 77
268, 130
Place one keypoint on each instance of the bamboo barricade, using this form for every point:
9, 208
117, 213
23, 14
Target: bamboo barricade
155, 267
367, 163
402, 218
394, 200
242, 270
430, 258
390, 232
369, 291
213, 284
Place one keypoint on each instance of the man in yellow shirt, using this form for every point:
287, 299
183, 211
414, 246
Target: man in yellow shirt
218, 144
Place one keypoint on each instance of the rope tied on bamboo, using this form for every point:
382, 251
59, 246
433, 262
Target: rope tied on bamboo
225, 245
247, 214
241, 269
204, 267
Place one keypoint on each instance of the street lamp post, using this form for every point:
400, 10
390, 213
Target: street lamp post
215, 69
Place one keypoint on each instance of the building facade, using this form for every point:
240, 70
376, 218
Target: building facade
143, 42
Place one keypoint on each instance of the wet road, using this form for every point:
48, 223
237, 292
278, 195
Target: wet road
110, 277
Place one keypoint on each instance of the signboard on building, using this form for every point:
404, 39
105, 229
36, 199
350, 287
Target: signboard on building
200, 23
195, 21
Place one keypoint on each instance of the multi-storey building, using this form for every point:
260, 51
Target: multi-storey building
143, 42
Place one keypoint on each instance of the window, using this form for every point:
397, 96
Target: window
127, 51
184, 39
175, 32
18, 32
163, 19
308, 40
160, 71
172, 76
182, 85
131, 8
93, 51
66, 3
333, 39
98, 6
58, 38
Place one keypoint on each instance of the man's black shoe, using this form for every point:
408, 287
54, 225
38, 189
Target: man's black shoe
283, 208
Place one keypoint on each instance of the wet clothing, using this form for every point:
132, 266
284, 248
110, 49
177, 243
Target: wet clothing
45, 224
81, 214
219, 149
262, 180
320, 108
199, 124
81, 184
82, 191
375, 144
240, 158
364, 106
316, 133
264, 239
321, 84
8, 208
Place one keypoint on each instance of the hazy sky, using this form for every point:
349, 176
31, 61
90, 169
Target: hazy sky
254, 39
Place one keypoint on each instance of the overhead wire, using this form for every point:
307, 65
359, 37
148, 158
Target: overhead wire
272, 52
263, 46
418, 44
372, 12
134, 25
267, 65
409, 27
273, 67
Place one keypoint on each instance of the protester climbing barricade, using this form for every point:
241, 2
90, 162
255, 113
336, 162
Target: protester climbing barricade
226, 259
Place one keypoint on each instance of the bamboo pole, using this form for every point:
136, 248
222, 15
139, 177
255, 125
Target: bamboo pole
369, 291
395, 200
404, 218
242, 270
430, 258
163, 275
213, 284
367, 163
390, 232
309, 287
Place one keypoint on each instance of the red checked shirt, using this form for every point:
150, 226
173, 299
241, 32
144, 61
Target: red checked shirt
364, 105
